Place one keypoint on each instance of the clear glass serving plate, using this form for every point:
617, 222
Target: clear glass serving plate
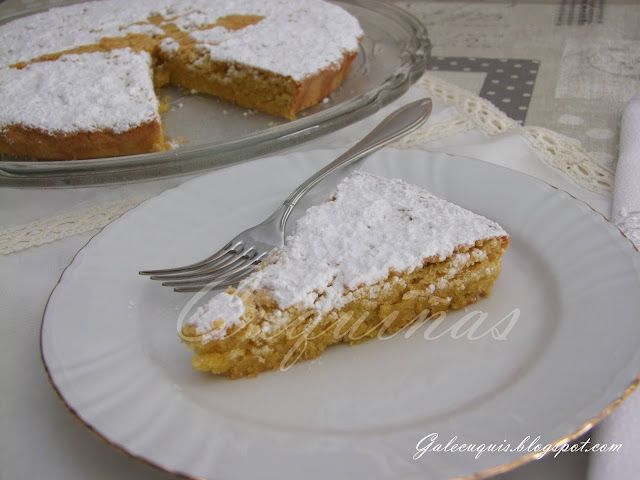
393, 55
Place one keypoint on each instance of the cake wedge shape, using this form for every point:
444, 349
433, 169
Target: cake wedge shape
378, 256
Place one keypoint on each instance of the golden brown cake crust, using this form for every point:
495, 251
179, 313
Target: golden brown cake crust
19, 141
254, 88
409, 298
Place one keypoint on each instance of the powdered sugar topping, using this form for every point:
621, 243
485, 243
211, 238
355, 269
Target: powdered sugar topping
224, 308
92, 91
321, 32
372, 227
314, 34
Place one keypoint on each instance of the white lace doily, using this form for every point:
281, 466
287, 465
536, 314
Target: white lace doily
559, 151
473, 112
50, 229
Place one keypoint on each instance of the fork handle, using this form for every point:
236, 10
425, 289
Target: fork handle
399, 123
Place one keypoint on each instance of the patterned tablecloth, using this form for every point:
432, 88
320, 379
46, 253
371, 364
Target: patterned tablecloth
556, 73
566, 65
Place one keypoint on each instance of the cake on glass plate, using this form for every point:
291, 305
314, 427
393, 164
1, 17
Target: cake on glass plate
378, 256
79, 81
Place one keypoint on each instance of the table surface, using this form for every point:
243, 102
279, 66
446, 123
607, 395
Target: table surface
588, 55
565, 65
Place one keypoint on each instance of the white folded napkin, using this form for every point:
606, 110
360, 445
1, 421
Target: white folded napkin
626, 193
623, 425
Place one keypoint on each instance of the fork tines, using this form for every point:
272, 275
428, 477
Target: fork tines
225, 267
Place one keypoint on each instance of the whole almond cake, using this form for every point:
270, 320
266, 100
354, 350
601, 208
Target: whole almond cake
380, 255
79, 81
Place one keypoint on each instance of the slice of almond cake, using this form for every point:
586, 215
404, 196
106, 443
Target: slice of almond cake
378, 256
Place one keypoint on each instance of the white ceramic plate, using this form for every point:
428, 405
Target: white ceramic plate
569, 278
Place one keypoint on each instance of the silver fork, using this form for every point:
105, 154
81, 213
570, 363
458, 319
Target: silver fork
239, 257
